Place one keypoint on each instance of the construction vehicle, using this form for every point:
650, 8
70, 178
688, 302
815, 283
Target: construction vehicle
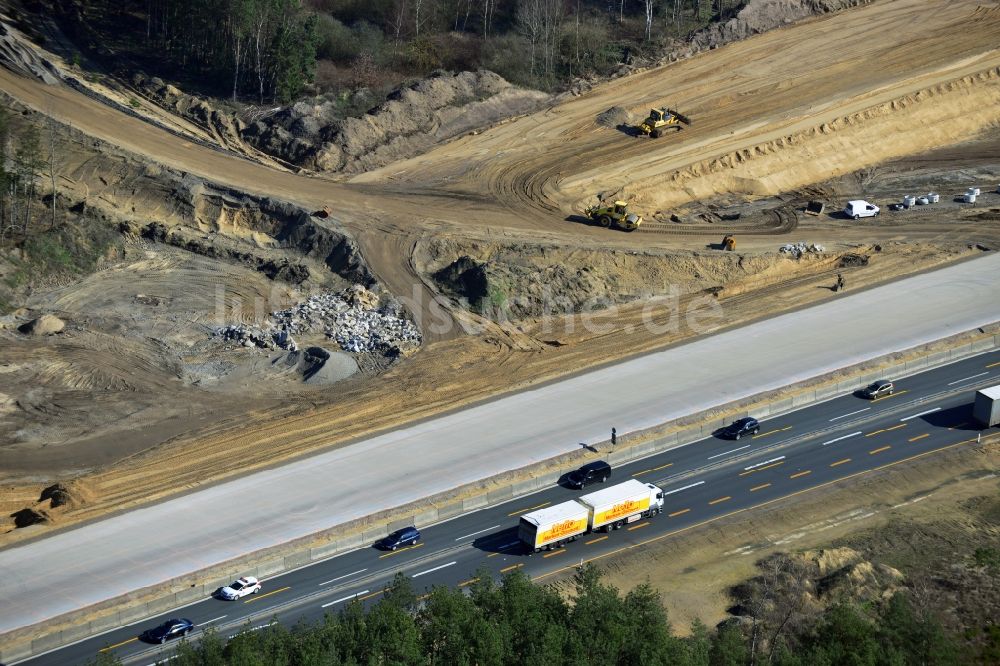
728, 242
616, 215
661, 121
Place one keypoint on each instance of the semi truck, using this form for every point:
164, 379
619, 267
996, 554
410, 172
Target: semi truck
607, 509
986, 409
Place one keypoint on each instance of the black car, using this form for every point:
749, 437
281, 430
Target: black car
598, 471
745, 426
879, 389
404, 537
167, 630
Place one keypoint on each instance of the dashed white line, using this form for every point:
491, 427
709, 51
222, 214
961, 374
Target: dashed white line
475, 533
508, 545
334, 580
959, 381
761, 464
677, 490
215, 619
844, 416
726, 453
347, 598
853, 434
443, 566
913, 416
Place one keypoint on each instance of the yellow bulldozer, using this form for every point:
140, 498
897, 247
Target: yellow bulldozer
616, 215
661, 121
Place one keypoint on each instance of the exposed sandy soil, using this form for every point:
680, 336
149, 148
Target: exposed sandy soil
778, 119
924, 518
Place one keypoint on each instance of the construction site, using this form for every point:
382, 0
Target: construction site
247, 311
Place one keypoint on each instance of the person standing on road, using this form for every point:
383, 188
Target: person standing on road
840, 282
614, 437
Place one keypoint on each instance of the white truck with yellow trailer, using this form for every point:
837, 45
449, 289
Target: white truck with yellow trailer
607, 509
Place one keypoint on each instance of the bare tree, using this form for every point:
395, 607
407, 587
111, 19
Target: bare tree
50, 127
650, 6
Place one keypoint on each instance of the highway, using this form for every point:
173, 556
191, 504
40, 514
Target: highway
803, 450
76, 568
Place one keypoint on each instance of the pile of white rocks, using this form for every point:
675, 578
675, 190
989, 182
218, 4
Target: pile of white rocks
353, 318
798, 249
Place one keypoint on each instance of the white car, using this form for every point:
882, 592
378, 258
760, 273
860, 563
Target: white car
239, 588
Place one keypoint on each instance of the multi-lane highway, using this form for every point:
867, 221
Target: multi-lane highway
793, 454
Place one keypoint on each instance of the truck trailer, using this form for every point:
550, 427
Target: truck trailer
553, 526
606, 510
986, 409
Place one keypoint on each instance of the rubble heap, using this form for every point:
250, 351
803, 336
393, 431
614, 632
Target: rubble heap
798, 249
353, 318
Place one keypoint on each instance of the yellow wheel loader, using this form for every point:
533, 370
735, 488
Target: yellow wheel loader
661, 121
616, 216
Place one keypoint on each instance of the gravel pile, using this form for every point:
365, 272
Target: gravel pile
798, 249
353, 318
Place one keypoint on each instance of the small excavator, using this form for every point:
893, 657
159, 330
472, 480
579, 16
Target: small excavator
661, 121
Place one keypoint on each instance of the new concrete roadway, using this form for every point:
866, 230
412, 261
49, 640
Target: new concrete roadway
838, 439
103, 560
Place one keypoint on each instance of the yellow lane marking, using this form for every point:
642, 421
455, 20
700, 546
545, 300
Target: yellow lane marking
840, 462
112, 647
657, 469
760, 487
879, 450
771, 432
635, 527
645, 471
465, 583
595, 540
886, 397
369, 596
959, 425
721, 499
877, 432
511, 568
993, 365
554, 553
761, 469
913, 439
258, 597
707, 521
677, 513
798, 474
530, 508
493, 554
401, 550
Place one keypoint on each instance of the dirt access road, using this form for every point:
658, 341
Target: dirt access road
779, 111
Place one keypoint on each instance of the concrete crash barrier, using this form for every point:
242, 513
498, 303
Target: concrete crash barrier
168, 595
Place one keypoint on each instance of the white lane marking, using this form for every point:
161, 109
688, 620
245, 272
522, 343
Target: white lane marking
677, 490
350, 596
215, 619
508, 545
844, 416
726, 453
475, 533
163, 661
929, 411
263, 626
443, 566
853, 434
959, 381
761, 464
333, 580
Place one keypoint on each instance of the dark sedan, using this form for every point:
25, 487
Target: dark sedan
168, 630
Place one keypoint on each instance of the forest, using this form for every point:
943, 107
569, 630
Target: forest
515, 621
266, 51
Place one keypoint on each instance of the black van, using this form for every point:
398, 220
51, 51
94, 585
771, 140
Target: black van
598, 471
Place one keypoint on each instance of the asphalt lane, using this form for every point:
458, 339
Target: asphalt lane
803, 450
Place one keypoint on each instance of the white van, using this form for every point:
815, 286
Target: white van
861, 208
